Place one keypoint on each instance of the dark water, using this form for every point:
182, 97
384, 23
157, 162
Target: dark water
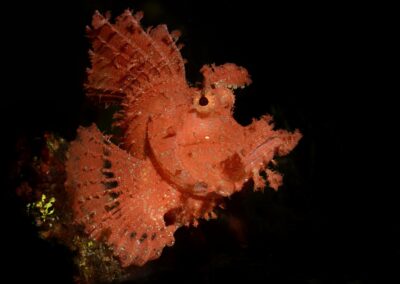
334, 219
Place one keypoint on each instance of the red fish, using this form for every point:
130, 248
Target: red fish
181, 150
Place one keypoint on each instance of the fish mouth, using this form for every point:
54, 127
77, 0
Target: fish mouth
260, 157
262, 154
277, 145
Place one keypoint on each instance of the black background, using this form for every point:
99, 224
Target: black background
316, 68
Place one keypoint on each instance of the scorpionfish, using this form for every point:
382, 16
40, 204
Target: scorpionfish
180, 152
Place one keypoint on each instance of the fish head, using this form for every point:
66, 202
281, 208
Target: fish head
202, 150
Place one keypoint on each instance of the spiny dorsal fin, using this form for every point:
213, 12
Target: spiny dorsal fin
128, 61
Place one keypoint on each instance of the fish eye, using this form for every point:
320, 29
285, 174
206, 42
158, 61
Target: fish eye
203, 101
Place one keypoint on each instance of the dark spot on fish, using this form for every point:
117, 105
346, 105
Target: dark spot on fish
153, 236
143, 237
106, 151
133, 234
166, 40
110, 184
108, 208
108, 174
114, 194
107, 164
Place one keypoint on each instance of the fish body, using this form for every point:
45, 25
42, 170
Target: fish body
181, 150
